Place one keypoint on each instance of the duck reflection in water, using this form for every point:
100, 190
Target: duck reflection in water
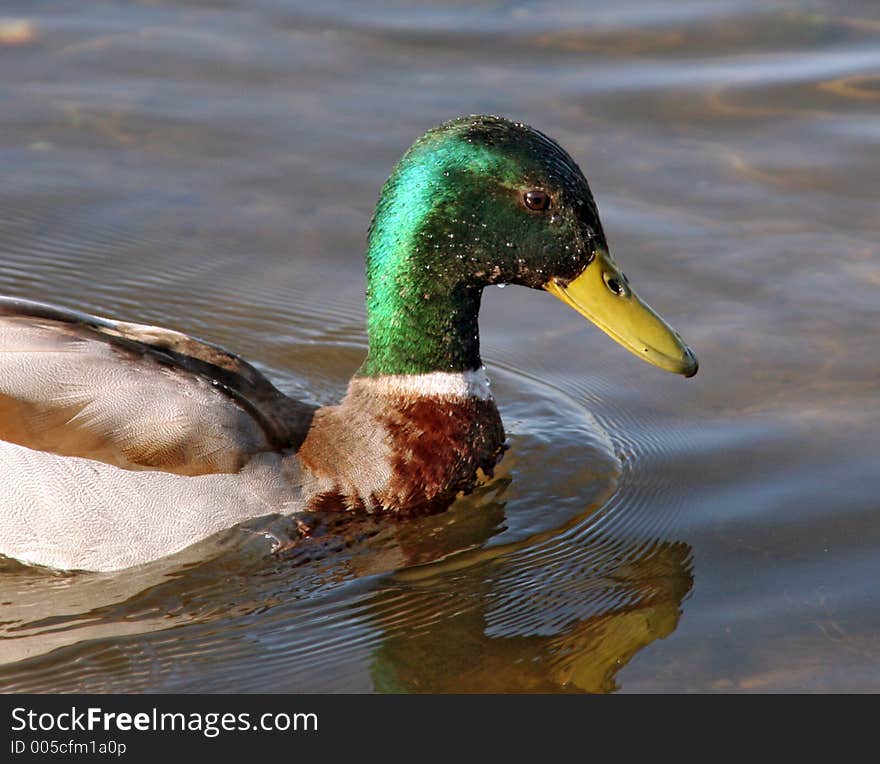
518, 623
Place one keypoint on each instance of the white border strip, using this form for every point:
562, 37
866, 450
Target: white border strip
437, 384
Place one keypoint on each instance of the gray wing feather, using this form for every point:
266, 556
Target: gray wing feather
136, 396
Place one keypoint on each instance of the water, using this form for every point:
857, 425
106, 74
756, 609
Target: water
212, 167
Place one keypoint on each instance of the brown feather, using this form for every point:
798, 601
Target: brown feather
398, 454
64, 413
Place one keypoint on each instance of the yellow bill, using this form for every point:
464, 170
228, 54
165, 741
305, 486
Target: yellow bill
602, 294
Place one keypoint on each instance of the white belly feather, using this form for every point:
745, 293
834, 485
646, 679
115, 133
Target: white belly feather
73, 513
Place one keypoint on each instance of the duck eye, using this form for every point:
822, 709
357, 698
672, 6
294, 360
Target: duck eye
536, 200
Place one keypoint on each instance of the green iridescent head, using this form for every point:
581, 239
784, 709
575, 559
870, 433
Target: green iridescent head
480, 201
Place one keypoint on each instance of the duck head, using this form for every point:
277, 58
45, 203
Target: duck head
479, 201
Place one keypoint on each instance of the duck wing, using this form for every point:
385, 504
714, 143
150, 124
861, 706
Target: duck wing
135, 396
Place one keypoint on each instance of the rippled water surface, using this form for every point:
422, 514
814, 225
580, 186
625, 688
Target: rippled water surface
212, 166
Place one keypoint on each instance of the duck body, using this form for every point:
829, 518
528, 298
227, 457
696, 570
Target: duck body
124, 443
121, 443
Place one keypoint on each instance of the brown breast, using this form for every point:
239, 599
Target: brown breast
392, 453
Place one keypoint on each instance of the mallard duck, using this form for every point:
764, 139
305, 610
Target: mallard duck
121, 443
